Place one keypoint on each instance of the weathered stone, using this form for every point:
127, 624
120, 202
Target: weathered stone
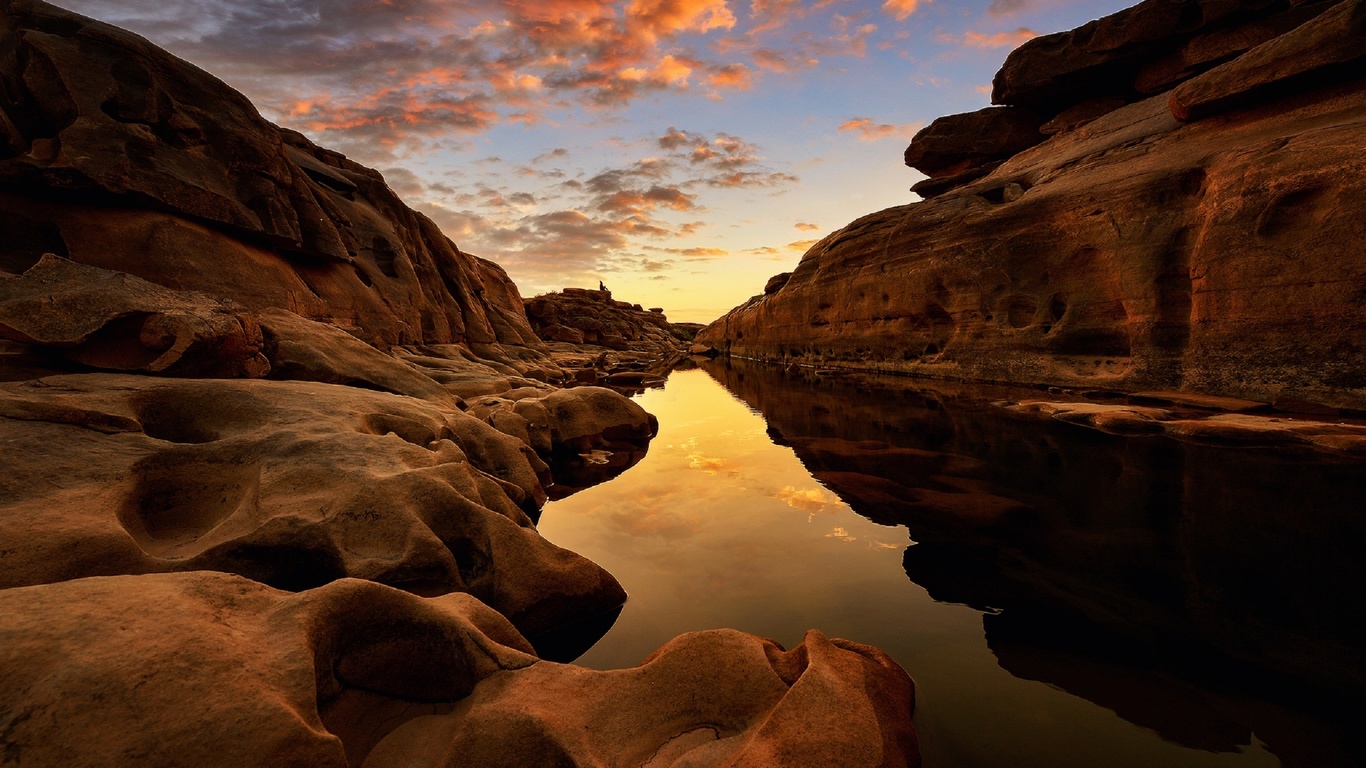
305, 350
121, 156
1326, 49
776, 282
114, 321
1133, 253
953, 144
292, 484
210, 670
1222, 429
1104, 57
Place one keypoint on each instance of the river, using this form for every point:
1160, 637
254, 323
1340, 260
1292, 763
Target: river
1062, 597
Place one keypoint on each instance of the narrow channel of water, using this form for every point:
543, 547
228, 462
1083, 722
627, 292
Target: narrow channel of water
1061, 597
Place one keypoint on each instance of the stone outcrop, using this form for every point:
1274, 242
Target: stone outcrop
1203, 239
211, 669
636, 347
114, 153
275, 448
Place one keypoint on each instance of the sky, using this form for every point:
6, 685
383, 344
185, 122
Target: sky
680, 151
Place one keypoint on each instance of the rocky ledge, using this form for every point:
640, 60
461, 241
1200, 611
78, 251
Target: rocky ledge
276, 447
602, 340
1169, 198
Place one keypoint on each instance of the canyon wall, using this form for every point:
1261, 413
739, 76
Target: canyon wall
1186, 214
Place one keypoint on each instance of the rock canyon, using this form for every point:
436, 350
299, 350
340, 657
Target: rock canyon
277, 448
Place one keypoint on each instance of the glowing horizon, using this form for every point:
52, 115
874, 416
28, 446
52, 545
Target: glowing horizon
680, 151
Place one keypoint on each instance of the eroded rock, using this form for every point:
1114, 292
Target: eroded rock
116, 154
115, 321
1131, 253
212, 669
292, 484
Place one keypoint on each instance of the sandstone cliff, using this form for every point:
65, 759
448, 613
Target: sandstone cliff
1187, 216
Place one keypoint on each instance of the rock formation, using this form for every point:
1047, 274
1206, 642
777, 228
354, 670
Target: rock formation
638, 346
210, 669
1192, 223
275, 447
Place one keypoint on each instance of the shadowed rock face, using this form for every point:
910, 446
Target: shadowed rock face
357, 673
116, 154
1133, 252
1195, 590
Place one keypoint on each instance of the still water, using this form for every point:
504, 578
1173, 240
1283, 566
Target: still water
1061, 597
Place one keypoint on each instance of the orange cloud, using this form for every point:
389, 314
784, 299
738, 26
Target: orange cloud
868, 130
900, 9
1011, 39
664, 18
805, 227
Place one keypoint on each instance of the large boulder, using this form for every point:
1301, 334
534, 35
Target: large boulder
210, 669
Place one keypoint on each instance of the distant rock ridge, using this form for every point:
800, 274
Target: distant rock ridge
1192, 222
599, 339
275, 448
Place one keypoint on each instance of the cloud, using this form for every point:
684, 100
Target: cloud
1009, 7
1012, 39
572, 229
867, 130
801, 245
805, 227
900, 9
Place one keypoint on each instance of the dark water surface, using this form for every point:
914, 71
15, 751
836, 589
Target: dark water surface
1062, 597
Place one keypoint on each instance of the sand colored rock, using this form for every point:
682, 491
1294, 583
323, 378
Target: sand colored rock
825, 702
211, 669
596, 337
291, 484
1132, 253
116, 154
115, 321
1326, 49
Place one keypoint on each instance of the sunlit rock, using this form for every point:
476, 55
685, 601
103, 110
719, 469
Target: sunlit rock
1146, 249
211, 669
291, 484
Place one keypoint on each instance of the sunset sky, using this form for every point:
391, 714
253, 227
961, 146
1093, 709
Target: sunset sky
682, 151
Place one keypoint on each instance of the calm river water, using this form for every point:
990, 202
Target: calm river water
1062, 597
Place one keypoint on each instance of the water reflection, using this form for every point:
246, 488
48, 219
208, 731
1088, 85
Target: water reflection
1088, 599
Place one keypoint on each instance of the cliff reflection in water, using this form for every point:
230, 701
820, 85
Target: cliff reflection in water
1076, 599
1193, 590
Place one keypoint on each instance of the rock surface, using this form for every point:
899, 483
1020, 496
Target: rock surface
634, 347
116, 154
357, 673
1135, 252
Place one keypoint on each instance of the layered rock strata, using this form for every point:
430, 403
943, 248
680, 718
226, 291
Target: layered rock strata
1203, 239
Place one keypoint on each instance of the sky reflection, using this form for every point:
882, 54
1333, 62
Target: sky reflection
720, 527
